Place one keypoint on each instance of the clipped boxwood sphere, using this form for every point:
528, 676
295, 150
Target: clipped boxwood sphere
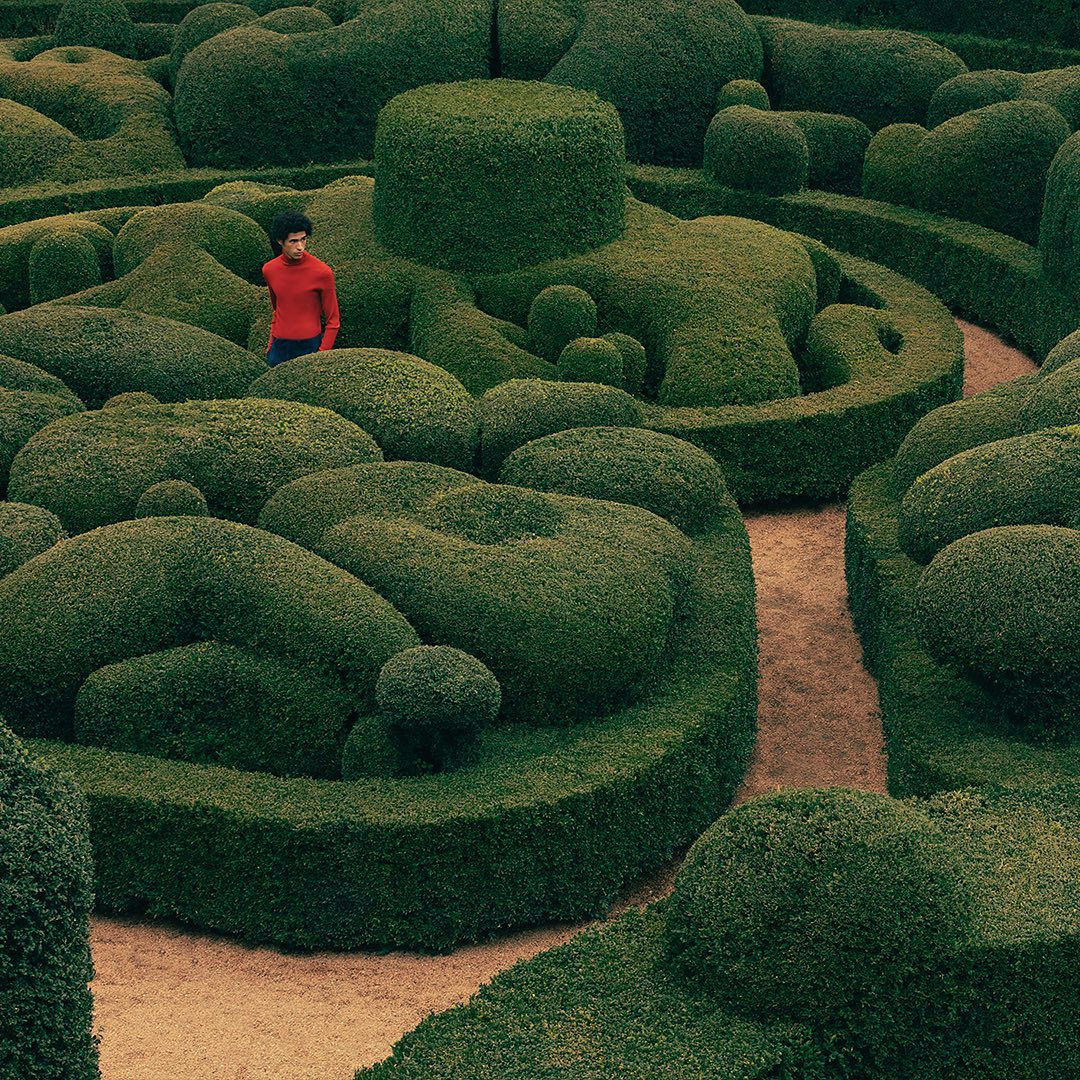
170, 497
635, 362
753, 150
593, 360
743, 92
104, 24
25, 531
62, 263
813, 904
491, 175
972, 90
1059, 227
202, 23
435, 699
890, 167
557, 315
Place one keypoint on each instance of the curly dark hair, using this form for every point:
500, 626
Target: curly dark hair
289, 221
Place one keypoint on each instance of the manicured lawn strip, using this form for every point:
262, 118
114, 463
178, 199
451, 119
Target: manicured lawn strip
941, 730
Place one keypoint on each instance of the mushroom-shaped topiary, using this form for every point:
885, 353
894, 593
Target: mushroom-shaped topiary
753, 150
557, 315
435, 699
104, 24
169, 497
592, 360
816, 905
62, 263
25, 531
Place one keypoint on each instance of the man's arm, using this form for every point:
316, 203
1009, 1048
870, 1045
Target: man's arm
273, 307
330, 313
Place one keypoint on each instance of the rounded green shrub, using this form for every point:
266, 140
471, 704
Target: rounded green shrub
890, 167
20, 375
1026, 480
131, 397
827, 272
753, 150
130, 590
413, 409
635, 362
435, 700
1054, 400
170, 497
1059, 227
101, 352
743, 92
521, 410
819, 905
494, 175
295, 20
104, 24
990, 166
368, 751
25, 531
557, 315
30, 143
972, 90
1064, 352
836, 146
202, 23
215, 704
62, 263
674, 479
48, 881
1001, 603
591, 360
1058, 88
94, 470
237, 242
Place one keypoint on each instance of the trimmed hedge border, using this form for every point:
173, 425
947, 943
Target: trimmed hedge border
548, 825
986, 275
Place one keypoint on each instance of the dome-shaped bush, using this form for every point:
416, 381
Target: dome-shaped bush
202, 23
1059, 228
62, 263
491, 175
1058, 88
972, 90
753, 150
557, 315
743, 92
169, 497
45, 899
104, 24
131, 397
635, 362
591, 360
672, 478
890, 167
816, 905
29, 143
836, 146
1003, 604
1064, 352
295, 20
25, 531
1054, 400
435, 699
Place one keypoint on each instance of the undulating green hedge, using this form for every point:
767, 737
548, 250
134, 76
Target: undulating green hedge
27, 17
25, 531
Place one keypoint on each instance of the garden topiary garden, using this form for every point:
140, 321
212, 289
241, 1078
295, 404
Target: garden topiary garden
451, 628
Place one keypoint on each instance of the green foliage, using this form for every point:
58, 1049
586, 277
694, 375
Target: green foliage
845, 342
295, 19
215, 704
836, 146
92, 469
1064, 352
99, 353
202, 23
170, 497
62, 263
1059, 227
104, 24
743, 92
525, 409
413, 409
748, 148
1027, 480
972, 90
557, 315
25, 531
1054, 400
490, 175
635, 362
591, 360
672, 478
131, 397
45, 965
891, 164
140, 587
1002, 604
30, 143
435, 700
1058, 88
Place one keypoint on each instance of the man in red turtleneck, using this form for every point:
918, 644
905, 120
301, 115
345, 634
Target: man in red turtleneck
301, 292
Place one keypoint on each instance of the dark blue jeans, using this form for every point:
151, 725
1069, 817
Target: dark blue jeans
282, 349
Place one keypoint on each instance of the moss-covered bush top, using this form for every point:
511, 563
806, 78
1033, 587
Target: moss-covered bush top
237, 453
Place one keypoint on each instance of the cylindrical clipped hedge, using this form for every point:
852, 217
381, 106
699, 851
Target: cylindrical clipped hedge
748, 148
493, 175
1059, 227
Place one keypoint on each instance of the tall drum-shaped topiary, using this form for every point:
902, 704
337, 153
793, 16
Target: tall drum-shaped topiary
753, 150
492, 175
46, 878
1059, 227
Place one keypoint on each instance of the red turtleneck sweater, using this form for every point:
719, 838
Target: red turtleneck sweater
302, 292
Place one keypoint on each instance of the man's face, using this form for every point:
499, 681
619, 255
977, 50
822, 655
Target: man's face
292, 247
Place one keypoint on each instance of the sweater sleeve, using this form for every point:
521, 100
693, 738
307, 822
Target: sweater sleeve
273, 305
330, 312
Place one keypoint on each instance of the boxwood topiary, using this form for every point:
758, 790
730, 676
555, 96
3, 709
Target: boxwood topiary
202, 23
30, 143
743, 92
836, 146
756, 151
1059, 229
972, 90
1054, 400
25, 531
891, 165
62, 263
295, 19
591, 360
45, 965
635, 361
557, 315
105, 24
1064, 352
1059, 88
171, 497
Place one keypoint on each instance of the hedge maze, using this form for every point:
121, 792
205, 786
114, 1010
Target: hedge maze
451, 628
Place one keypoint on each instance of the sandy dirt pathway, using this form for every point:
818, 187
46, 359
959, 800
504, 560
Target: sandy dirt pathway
175, 1005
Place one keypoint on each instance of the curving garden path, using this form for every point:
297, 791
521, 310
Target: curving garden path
174, 1004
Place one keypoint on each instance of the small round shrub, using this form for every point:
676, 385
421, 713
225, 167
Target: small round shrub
743, 92
972, 90
1054, 400
635, 362
104, 24
295, 20
753, 150
1064, 352
491, 175
890, 168
591, 360
1002, 604
62, 263
1058, 88
557, 315
25, 531
435, 700
169, 497
816, 905
836, 146
45, 899
672, 478
1059, 227
202, 23
30, 143
131, 397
